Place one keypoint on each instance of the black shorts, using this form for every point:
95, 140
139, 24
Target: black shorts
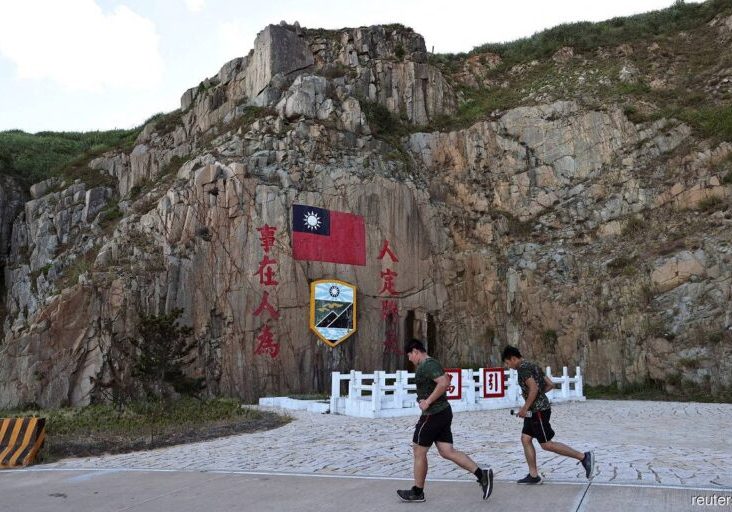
538, 426
433, 428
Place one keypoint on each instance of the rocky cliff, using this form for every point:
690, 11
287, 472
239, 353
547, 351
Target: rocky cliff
572, 228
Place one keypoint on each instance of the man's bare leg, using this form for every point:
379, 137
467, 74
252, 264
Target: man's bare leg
420, 465
561, 449
448, 452
530, 453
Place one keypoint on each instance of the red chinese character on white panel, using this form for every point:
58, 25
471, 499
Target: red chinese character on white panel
455, 390
494, 385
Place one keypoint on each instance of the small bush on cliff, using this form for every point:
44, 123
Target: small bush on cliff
712, 204
381, 121
151, 364
163, 351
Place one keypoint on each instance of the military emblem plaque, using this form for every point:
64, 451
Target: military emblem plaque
332, 310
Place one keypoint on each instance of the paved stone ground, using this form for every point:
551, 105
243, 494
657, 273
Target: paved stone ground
655, 443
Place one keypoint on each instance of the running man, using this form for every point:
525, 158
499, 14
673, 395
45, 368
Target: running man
536, 413
434, 424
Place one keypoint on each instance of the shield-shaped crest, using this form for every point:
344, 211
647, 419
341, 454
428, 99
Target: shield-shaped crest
332, 310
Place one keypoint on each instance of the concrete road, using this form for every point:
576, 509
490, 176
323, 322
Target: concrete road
112, 490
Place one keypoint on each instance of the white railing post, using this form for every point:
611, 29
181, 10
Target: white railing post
481, 386
376, 392
514, 391
579, 385
469, 380
335, 391
548, 373
467, 394
565, 383
353, 391
398, 390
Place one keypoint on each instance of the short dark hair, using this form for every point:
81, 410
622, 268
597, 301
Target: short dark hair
510, 352
412, 344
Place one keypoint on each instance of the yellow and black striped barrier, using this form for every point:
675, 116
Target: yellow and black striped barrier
20, 440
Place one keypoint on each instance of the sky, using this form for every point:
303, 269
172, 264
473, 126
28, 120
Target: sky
82, 65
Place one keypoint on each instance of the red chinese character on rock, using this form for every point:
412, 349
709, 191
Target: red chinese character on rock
266, 306
267, 345
388, 286
385, 249
391, 342
266, 235
389, 308
266, 274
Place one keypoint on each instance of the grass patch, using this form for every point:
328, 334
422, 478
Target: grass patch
311, 396
624, 265
633, 226
712, 204
99, 429
586, 36
477, 104
713, 122
81, 265
35, 157
110, 216
550, 338
167, 123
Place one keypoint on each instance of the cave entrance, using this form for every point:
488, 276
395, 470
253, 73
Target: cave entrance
421, 325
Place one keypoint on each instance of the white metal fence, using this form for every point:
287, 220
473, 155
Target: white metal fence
381, 394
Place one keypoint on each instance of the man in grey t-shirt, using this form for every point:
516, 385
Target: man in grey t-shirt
434, 424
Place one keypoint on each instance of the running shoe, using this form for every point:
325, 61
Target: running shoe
410, 495
531, 480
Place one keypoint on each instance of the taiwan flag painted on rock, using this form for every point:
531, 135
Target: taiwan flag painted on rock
326, 235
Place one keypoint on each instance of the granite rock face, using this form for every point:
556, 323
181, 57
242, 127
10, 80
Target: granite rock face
573, 232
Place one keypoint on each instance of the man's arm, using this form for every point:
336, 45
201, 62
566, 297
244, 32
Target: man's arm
533, 391
548, 384
443, 382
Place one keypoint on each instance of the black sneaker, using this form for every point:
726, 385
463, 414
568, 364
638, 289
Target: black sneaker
486, 483
410, 496
589, 464
531, 480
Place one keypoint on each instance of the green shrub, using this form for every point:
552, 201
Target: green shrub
595, 333
110, 215
35, 157
78, 267
620, 265
550, 338
712, 203
381, 121
690, 363
633, 226
163, 350
399, 51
